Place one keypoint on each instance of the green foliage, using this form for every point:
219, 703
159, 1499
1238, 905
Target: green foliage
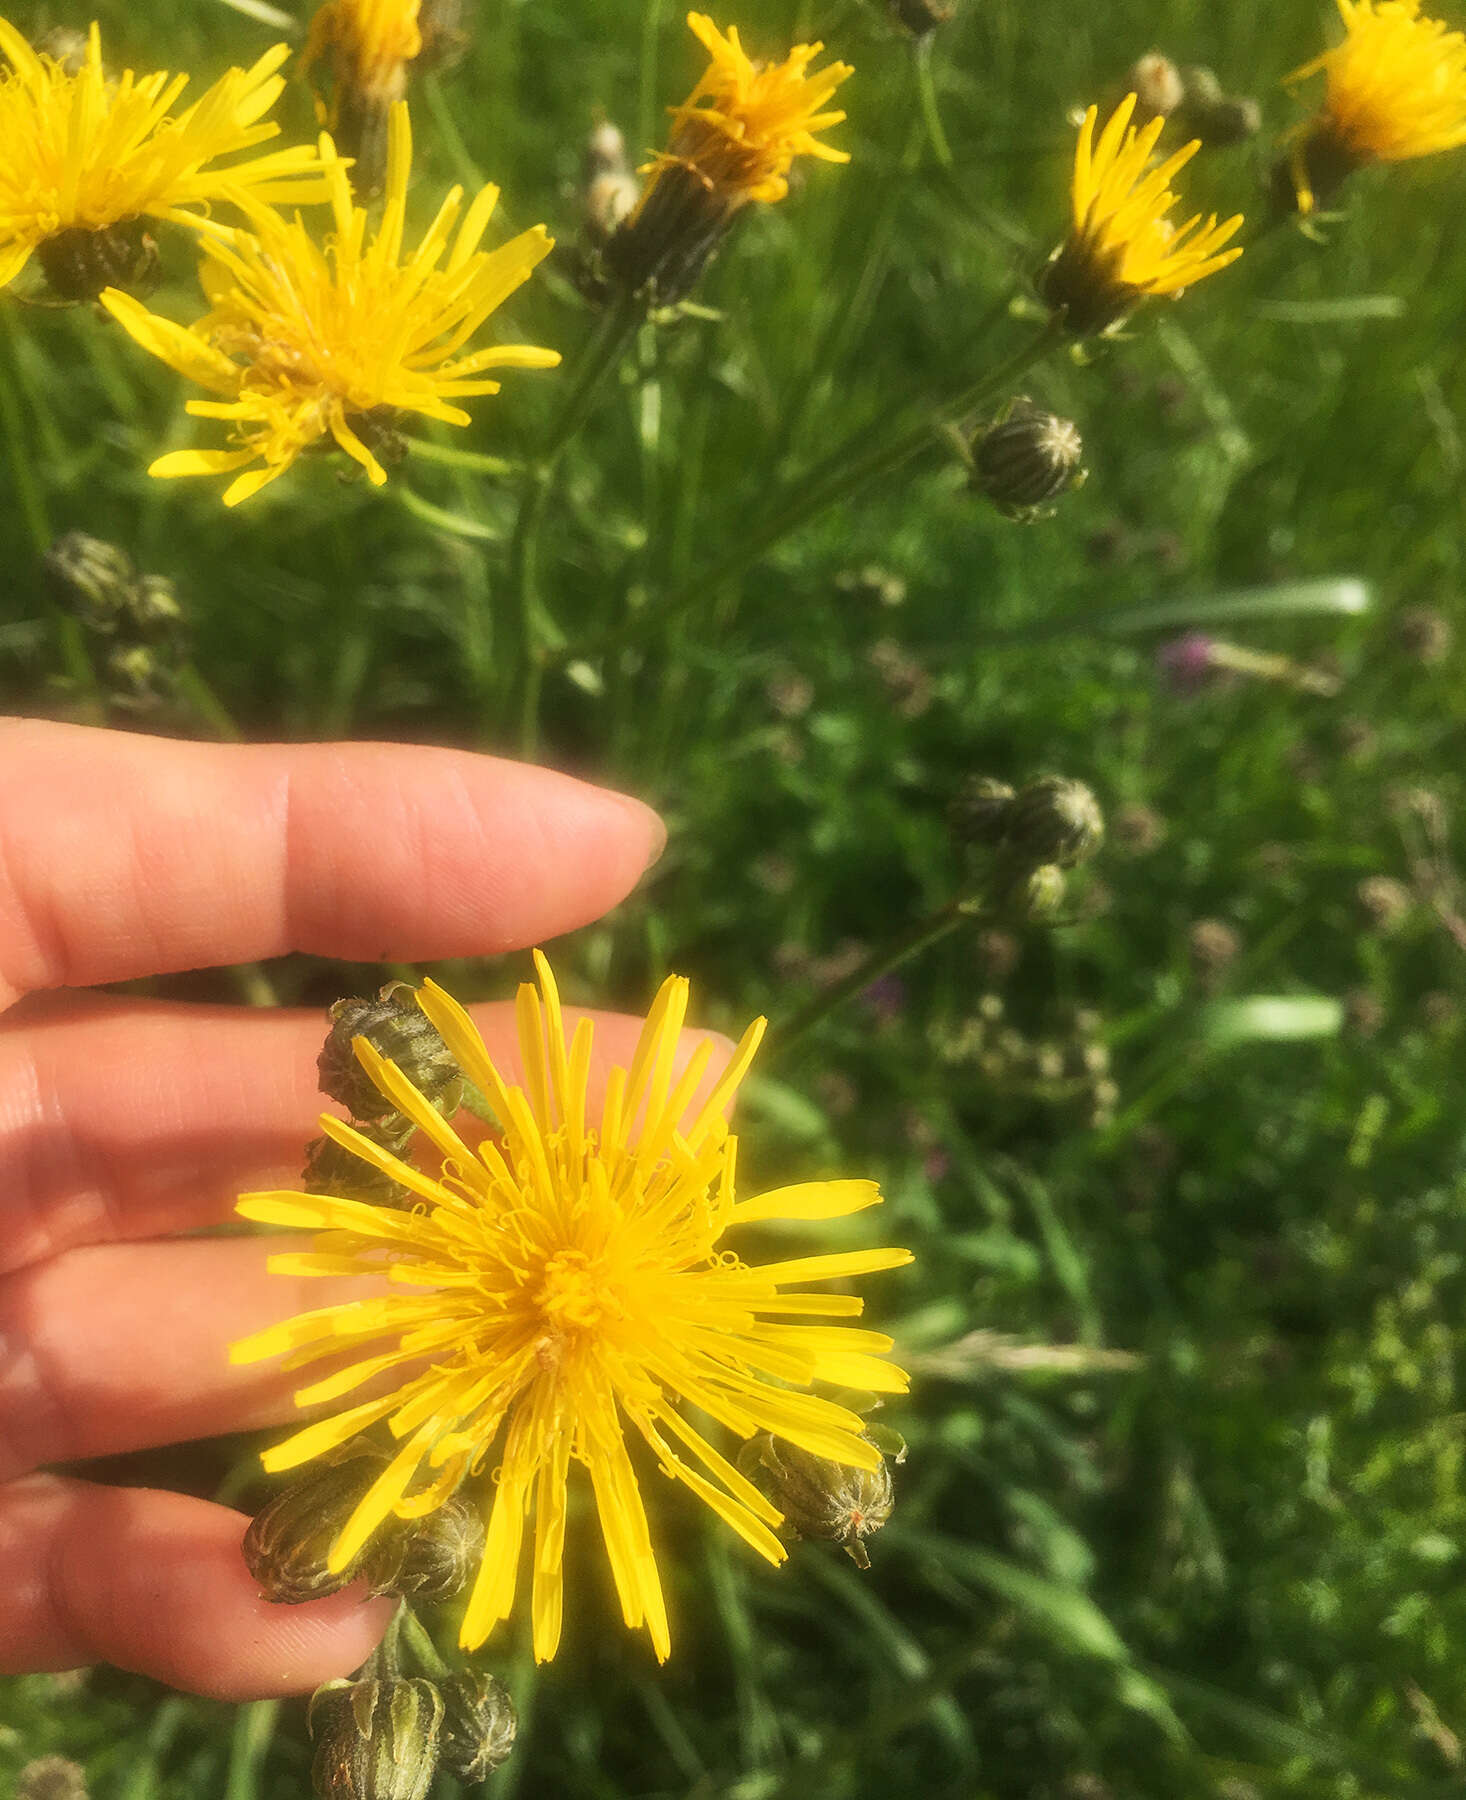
1232, 1563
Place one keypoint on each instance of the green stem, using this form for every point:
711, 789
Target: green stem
254, 1730
418, 1642
534, 623
926, 94
881, 961
842, 475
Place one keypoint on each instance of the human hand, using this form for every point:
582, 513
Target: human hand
124, 1121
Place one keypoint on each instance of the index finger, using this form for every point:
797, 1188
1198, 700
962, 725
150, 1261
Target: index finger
123, 855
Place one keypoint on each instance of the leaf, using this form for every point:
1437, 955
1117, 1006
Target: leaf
1269, 1018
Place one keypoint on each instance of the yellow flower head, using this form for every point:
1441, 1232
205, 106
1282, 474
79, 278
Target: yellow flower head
742, 126
370, 44
1395, 89
562, 1289
84, 153
308, 346
733, 140
1122, 247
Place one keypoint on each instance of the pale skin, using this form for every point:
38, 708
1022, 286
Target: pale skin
125, 1123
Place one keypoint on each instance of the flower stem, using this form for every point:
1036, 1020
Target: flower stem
926, 94
881, 961
842, 475
535, 625
418, 1642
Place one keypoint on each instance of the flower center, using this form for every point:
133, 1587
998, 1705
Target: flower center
574, 1295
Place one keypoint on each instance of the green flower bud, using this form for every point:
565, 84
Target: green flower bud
91, 578
1055, 820
1040, 894
431, 1558
394, 1026
1026, 458
289, 1540
330, 1168
820, 1498
979, 814
479, 1724
375, 1740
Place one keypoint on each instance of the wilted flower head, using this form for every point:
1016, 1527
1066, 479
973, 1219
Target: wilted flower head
1122, 248
306, 347
733, 140
1395, 89
552, 1289
367, 46
88, 158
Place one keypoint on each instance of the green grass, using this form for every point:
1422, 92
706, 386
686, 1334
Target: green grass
1239, 1559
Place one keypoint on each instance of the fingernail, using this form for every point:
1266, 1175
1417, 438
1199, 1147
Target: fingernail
652, 823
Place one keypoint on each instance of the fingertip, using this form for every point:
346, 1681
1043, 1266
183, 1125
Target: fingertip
155, 1582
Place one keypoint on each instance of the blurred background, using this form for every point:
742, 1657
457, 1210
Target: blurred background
1181, 1164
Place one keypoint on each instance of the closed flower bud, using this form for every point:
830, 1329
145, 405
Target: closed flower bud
429, 1559
287, 1543
922, 17
91, 578
1157, 86
330, 1168
1040, 894
1055, 820
395, 1027
375, 1740
479, 1724
979, 814
1026, 458
1216, 117
820, 1498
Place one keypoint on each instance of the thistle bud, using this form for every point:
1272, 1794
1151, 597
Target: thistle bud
330, 1168
375, 1740
288, 1542
820, 1498
979, 814
479, 1724
429, 1559
1026, 458
1055, 820
397, 1029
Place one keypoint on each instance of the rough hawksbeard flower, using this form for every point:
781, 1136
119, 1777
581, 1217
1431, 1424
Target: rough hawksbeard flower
565, 1287
1122, 248
733, 141
88, 159
310, 346
1395, 89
